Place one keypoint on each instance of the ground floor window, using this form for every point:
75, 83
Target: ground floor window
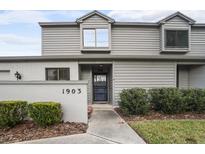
57, 73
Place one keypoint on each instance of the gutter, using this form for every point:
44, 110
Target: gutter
100, 57
46, 24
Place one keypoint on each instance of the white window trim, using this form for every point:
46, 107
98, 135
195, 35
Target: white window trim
95, 33
163, 39
107, 49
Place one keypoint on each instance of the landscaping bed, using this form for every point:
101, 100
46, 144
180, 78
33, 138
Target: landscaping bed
159, 128
154, 115
165, 115
28, 130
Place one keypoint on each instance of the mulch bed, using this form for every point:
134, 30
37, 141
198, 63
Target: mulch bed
30, 131
153, 115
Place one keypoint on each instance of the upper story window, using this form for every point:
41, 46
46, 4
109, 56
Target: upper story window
176, 39
57, 74
95, 38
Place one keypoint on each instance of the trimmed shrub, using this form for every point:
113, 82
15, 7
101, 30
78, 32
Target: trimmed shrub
12, 112
154, 97
171, 101
134, 101
45, 113
194, 100
168, 100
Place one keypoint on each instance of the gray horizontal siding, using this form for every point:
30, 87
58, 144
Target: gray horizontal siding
135, 41
95, 20
60, 40
183, 76
176, 22
130, 40
197, 42
86, 74
146, 41
130, 74
197, 76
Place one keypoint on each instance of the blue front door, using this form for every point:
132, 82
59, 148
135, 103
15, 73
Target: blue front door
100, 87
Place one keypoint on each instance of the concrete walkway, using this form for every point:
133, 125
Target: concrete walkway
105, 127
107, 124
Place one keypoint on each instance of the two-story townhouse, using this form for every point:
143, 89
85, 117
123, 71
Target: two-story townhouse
113, 55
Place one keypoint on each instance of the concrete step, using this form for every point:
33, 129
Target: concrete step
102, 107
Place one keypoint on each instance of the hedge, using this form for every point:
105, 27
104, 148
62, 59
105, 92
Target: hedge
174, 100
12, 112
194, 99
45, 113
167, 100
154, 97
134, 101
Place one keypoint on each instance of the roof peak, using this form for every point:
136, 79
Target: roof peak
181, 15
79, 20
110, 20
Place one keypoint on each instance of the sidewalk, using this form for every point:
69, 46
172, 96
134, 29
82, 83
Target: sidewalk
105, 127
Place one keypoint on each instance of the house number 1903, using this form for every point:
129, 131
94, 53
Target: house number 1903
71, 91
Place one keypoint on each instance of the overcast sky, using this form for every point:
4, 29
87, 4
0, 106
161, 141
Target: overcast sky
20, 33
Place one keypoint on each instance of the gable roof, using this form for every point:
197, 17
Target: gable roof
184, 17
79, 20
179, 14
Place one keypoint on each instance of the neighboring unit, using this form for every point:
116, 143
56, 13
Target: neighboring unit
113, 56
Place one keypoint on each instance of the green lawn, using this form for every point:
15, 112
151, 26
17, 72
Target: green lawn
171, 131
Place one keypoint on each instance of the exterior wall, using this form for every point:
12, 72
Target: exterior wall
183, 76
176, 22
95, 20
123, 40
145, 74
4, 75
197, 76
63, 40
191, 76
135, 40
35, 70
86, 74
197, 42
74, 105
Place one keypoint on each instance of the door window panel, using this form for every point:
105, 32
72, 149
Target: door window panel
100, 87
